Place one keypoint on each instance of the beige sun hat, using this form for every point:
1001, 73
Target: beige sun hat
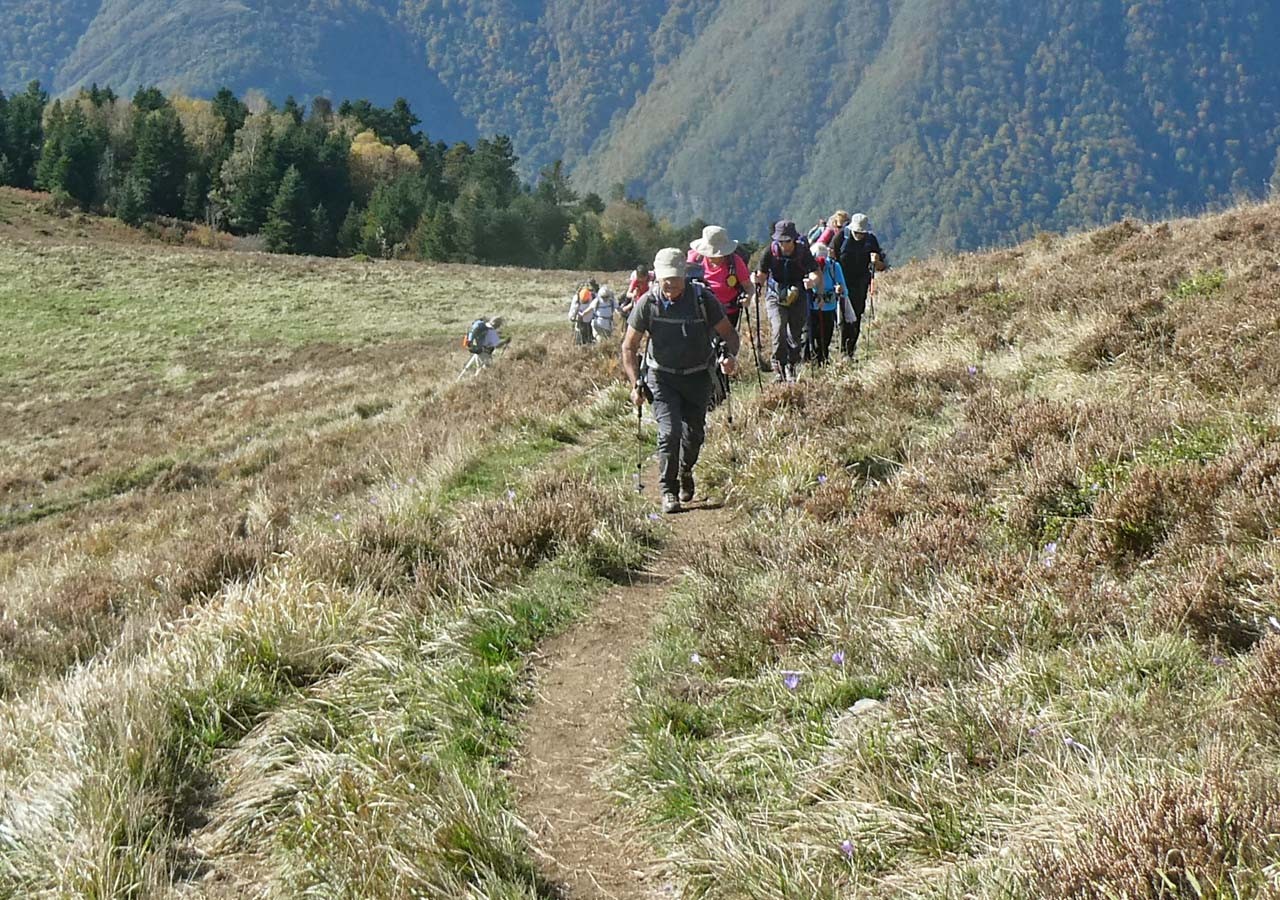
715, 241
859, 223
669, 263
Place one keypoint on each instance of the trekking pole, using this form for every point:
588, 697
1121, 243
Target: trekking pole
728, 404
755, 349
759, 364
639, 479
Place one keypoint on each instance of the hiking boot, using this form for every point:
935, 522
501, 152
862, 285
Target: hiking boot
686, 487
670, 503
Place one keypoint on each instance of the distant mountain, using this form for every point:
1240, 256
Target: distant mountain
953, 123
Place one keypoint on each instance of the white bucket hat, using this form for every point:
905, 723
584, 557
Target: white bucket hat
820, 250
715, 241
669, 263
859, 222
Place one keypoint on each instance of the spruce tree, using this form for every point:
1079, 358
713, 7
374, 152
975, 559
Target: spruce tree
287, 222
160, 165
24, 134
349, 231
71, 154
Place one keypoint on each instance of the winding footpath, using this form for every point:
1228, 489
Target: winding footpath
577, 722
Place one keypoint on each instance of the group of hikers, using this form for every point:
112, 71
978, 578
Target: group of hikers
688, 308
815, 287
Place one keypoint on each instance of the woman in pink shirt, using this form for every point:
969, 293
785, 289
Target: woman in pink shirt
724, 271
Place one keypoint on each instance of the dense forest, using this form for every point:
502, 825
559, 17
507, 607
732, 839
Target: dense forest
953, 123
356, 179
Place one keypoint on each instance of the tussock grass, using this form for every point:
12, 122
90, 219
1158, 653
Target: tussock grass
1003, 621
285, 651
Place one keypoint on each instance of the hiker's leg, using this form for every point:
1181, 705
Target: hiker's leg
823, 323
668, 411
733, 318
779, 329
696, 397
799, 315
858, 299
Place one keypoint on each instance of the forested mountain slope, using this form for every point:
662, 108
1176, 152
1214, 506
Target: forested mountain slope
953, 123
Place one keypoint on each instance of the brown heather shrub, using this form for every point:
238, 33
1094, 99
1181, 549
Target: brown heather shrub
1222, 600
1177, 838
789, 617
1259, 689
388, 554
1132, 522
1250, 510
1108, 240
182, 477
232, 557
555, 513
1139, 331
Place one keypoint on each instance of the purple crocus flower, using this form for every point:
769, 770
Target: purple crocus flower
973, 370
337, 517
1072, 744
1218, 660
791, 680
654, 517
1050, 553
846, 847
838, 657
822, 479
695, 658
511, 494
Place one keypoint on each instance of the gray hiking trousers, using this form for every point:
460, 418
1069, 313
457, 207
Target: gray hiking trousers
680, 407
787, 324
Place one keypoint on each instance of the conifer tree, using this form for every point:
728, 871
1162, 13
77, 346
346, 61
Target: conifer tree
160, 166
23, 134
287, 222
71, 154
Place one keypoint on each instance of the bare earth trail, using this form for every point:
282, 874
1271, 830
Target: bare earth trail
578, 720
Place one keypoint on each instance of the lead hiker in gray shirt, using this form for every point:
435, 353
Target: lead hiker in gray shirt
682, 319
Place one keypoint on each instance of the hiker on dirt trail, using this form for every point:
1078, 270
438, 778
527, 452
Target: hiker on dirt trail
637, 287
861, 257
481, 340
835, 225
824, 310
680, 318
582, 298
789, 265
724, 271
599, 312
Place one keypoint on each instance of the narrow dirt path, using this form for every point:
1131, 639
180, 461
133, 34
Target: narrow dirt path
577, 722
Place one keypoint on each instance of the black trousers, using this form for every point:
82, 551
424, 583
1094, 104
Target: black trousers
680, 407
858, 288
822, 326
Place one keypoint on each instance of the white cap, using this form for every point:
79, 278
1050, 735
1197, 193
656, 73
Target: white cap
669, 263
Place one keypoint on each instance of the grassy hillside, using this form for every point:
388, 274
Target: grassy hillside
265, 568
997, 615
1006, 621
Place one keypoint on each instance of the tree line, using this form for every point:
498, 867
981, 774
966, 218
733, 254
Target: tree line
331, 181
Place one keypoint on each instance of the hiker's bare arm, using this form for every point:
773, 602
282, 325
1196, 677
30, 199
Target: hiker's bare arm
631, 356
729, 365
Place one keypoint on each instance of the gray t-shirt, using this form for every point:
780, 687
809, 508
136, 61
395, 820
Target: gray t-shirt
679, 332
